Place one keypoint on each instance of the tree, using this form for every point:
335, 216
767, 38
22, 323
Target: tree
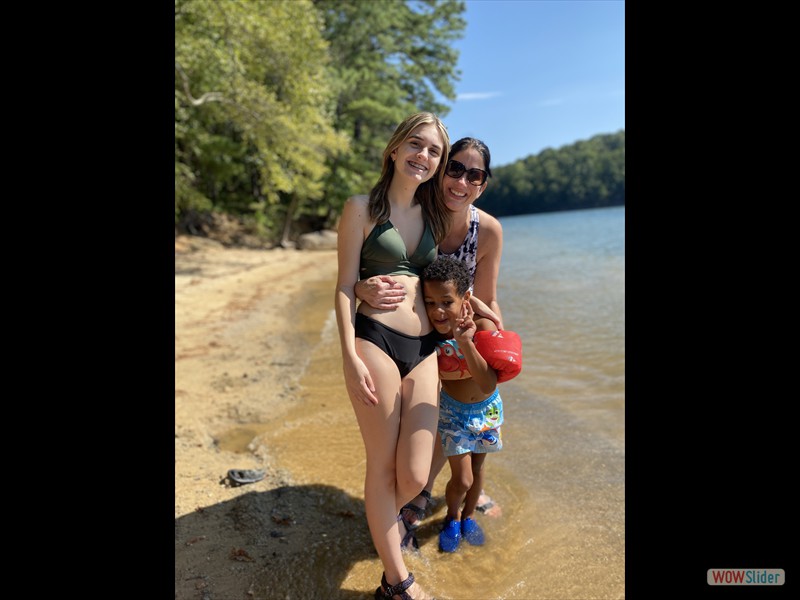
253, 109
587, 174
390, 58
283, 107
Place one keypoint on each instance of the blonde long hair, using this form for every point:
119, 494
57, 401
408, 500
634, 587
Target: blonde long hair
429, 194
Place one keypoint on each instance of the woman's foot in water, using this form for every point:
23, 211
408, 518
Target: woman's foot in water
405, 590
487, 506
409, 519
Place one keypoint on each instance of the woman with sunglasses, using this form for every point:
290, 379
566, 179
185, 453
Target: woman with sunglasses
389, 356
466, 177
467, 174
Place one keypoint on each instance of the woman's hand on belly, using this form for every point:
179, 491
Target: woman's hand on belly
409, 315
381, 292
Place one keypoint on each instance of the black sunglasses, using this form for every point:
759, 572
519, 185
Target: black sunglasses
455, 170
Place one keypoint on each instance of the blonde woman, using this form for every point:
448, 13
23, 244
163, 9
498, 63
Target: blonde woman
389, 357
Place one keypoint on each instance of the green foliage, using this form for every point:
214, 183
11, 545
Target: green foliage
283, 107
586, 174
389, 59
254, 105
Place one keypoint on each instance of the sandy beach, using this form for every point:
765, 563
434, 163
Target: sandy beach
258, 385
251, 394
238, 355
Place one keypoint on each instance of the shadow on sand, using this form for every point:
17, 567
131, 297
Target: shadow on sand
292, 542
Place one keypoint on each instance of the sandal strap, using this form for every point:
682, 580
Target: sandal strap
411, 533
420, 512
417, 510
400, 588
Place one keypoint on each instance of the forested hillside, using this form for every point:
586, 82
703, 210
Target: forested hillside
586, 174
282, 110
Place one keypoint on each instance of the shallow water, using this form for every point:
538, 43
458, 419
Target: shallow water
560, 478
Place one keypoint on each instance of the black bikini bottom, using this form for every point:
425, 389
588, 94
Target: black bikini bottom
407, 351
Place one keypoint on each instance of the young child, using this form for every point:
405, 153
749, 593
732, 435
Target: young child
473, 357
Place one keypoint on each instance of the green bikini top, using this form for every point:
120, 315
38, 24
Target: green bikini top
385, 253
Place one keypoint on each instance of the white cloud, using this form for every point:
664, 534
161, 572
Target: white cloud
478, 95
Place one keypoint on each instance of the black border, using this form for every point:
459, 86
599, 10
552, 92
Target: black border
707, 350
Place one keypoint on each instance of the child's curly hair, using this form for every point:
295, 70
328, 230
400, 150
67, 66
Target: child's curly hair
446, 269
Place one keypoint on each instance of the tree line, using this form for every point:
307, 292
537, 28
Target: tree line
283, 108
587, 174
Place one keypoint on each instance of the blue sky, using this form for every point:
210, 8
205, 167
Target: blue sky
538, 74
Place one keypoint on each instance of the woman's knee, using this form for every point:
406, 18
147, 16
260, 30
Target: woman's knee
412, 474
413, 469
412, 483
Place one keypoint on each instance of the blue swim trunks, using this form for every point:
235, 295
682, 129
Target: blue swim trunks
470, 427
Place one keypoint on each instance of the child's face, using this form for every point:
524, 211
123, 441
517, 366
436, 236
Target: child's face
443, 304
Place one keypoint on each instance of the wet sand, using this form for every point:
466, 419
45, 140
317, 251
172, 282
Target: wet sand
243, 329
258, 386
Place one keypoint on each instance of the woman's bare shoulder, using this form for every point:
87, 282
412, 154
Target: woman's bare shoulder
359, 200
489, 221
490, 226
356, 207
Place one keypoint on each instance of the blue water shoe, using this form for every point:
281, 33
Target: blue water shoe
450, 536
472, 532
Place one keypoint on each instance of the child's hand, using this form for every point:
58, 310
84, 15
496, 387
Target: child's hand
465, 328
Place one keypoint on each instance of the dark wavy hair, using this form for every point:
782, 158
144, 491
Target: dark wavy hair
447, 268
429, 194
482, 149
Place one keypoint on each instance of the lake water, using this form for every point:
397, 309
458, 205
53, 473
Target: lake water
560, 478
